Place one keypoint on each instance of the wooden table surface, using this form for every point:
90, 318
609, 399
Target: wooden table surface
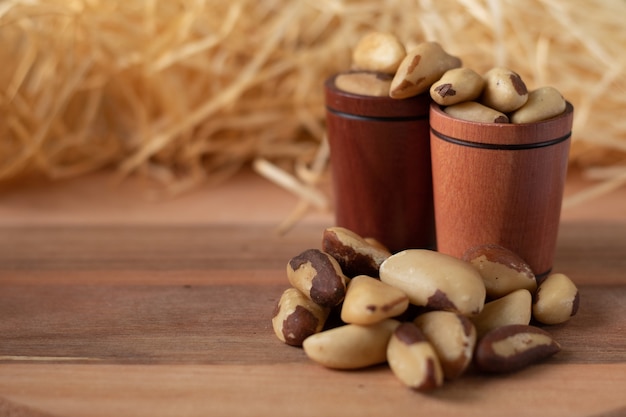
113, 303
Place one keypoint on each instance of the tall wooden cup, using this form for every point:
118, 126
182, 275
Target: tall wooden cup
380, 162
500, 183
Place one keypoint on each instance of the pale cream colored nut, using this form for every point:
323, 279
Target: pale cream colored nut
452, 336
421, 67
556, 300
369, 300
296, 317
355, 255
364, 83
318, 276
456, 86
543, 103
412, 358
510, 348
435, 280
513, 308
473, 111
503, 271
351, 346
378, 51
504, 90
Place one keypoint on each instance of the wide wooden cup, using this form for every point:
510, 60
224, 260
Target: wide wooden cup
500, 183
380, 162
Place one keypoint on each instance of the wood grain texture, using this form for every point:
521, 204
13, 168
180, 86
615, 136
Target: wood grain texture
203, 295
304, 389
382, 178
507, 196
172, 319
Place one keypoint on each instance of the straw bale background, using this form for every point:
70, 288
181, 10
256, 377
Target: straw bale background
190, 91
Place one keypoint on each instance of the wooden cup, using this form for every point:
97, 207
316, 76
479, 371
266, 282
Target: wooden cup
380, 162
500, 183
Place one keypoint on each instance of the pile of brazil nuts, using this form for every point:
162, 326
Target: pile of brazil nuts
431, 317
498, 96
381, 66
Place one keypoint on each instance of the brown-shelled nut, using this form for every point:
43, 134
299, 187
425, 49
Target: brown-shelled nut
435, 280
473, 111
504, 90
369, 300
503, 271
511, 348
378, 51
513, 308
377, 244
351, 346
355, 255
421, 67
457, 85
364, 83
452, 336
412, 358
556, 300
318, 276
296, 317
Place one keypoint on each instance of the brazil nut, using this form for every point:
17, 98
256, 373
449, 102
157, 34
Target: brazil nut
351, 346
453, 337
472, 111
543, 103
502, 270
364, 83
435, 280
296, 317
420, 68
511, 348
378, 51
355, 254
318, 276
412, 358
369, 300
513, 308
504, 90
556, 300
457, 85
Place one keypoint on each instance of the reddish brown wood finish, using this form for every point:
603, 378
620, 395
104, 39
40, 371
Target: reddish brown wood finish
380, 157
507, 196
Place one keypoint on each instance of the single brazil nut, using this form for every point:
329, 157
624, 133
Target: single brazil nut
351, 346
543, 103
364, 83
504, 90
453, 337
296, 317
318, 276
369, 300
556, 300
513, 308
473, 111
420, 68
412, 358
435, 280
503, 271
378, 51
511, 348
456, 86
355, 255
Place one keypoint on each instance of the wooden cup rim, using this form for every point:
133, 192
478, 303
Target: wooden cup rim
501, 135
